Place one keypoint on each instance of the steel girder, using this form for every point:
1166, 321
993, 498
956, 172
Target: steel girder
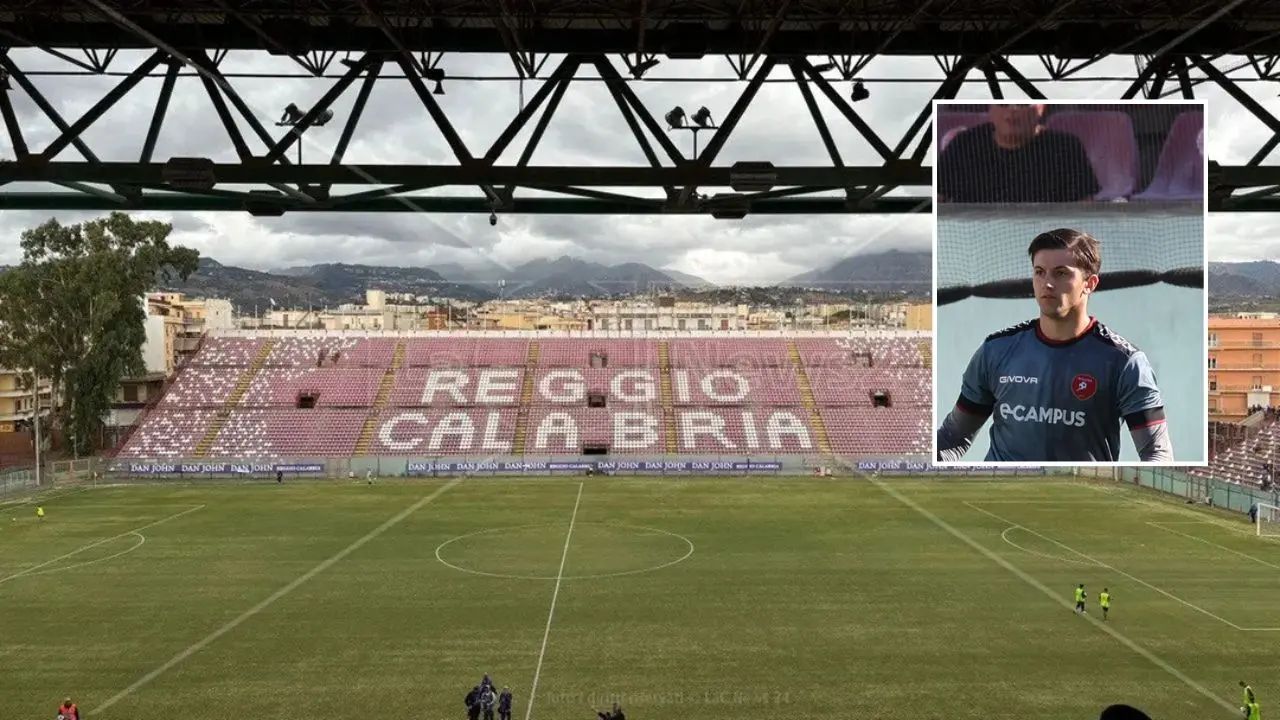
687, 184
688, 28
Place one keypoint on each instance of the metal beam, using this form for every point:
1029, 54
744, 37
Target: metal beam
473, 173
1076, 37
45, 106
72, 133
161, 111
309, 118
173, 202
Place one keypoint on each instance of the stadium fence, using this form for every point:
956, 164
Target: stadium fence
1170, 481
17, 482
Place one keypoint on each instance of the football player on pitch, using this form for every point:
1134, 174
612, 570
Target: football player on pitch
1057, 388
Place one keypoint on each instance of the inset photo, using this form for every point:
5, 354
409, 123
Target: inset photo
1070, 304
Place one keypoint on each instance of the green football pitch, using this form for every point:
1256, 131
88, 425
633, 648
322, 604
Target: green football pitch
697, 598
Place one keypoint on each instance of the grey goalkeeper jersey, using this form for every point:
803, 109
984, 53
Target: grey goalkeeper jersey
1058, 401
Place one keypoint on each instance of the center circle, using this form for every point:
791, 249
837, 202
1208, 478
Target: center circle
596, 550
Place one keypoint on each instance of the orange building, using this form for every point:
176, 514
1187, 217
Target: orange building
1244, 364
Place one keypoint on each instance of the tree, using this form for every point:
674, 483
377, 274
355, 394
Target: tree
72, 310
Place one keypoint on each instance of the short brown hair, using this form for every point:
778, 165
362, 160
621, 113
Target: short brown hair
1084, 248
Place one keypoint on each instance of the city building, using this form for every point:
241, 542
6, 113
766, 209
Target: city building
1244, 364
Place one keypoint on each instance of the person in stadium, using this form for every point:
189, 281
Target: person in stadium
1014, 158
1249, 697
1080, 598
488, 698
68, 710
1104, 602
504, 704
615, 714
1057, 388
473, 703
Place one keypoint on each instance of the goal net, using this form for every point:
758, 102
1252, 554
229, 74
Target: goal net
1268, 521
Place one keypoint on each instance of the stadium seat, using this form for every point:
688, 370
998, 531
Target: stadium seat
951, 123
1180, 171
473, 396
1243, 463
1108, 138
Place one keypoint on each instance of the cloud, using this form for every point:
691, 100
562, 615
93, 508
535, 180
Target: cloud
589, 130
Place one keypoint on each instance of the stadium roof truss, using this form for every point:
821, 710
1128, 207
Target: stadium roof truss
1176, 45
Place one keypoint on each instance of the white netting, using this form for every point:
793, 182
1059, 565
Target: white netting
1268, 520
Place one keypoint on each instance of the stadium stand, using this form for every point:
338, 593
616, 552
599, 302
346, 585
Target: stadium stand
1250, 461
292, 395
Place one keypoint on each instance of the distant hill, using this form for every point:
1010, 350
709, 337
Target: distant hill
1244, 286
316, 285
1232, 286
573, 277
1257, 278
484, 273
690, 281
892, 271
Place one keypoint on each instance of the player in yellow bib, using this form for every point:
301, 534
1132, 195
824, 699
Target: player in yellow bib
1104, 600
1252, 711
40, 513
1247, 689
1080, 597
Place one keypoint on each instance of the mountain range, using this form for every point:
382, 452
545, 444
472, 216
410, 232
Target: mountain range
891, 273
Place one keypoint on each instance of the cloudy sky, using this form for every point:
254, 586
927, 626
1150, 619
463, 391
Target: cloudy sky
587, 130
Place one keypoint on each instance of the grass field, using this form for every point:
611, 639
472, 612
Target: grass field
709, 599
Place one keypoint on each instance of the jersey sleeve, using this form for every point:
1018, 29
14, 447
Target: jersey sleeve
1138, 397
976, 397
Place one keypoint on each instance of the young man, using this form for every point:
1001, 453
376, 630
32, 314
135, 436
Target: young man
1104, 601
1057, 388
1014, 158
1080, 598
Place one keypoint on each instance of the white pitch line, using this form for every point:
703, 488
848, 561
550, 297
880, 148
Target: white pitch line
91, 546
1233, 551
1056, 597
555, 594
271, 599
1105, 566
1009, 501
1211, 543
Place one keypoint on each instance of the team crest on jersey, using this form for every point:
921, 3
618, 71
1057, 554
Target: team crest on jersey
1083, 386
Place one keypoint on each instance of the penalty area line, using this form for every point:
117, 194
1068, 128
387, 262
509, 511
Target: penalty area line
277, 595
90, 546
1112, 568
1056, 597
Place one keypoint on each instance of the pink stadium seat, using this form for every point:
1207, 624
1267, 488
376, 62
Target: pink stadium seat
949, 124
1243, 464
1180, 172
469, 396
1113, 150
